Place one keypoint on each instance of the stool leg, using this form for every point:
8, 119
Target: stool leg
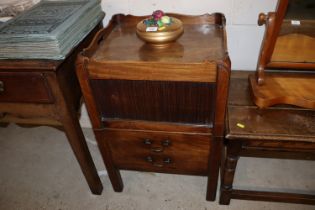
230, 163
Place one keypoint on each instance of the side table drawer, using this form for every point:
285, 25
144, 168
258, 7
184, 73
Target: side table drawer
159, 151
24, 87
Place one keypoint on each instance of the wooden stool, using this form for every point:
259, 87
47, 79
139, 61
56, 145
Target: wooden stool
277, 132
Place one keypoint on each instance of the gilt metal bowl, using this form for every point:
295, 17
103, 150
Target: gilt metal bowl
168, 34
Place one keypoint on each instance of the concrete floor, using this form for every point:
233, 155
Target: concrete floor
38, 171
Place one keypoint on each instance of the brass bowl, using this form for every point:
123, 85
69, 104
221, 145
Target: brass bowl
169, 34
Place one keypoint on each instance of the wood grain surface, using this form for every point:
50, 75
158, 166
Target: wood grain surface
285, 132
135, 91
284, 88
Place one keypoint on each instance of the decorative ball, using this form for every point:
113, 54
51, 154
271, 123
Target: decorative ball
158, 14
166, 20
160, 23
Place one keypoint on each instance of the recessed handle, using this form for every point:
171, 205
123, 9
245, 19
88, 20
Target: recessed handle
1, 86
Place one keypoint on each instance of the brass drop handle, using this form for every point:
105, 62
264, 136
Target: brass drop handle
157, 149
150, 160
164, 143
1, 86
165, 160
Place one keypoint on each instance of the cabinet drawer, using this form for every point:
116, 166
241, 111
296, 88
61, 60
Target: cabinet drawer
159, 151
24, 87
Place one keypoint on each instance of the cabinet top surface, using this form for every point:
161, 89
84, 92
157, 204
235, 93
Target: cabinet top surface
203, 40
274, 123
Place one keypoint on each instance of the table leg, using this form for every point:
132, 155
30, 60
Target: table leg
230, 163
68, 117
78, 144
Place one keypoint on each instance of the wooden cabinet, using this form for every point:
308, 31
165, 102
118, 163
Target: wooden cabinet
158, 109
47, 92
287, 50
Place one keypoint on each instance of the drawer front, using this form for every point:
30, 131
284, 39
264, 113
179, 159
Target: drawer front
159, 152
24, 87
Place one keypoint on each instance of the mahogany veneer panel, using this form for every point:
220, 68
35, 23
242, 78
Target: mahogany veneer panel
185, 153
181, 102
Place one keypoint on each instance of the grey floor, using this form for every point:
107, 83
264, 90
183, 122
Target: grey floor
38, 171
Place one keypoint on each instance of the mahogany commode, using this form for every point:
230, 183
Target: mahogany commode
158, 108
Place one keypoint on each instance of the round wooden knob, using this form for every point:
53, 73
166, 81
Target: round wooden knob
262, 19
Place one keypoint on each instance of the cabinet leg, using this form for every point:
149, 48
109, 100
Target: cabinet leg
230, 163
113, 172
214, 164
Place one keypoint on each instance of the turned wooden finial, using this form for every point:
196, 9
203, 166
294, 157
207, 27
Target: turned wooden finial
262, 19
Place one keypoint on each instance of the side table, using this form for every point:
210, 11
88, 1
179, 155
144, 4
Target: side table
284, 132
158, 109
47, 92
